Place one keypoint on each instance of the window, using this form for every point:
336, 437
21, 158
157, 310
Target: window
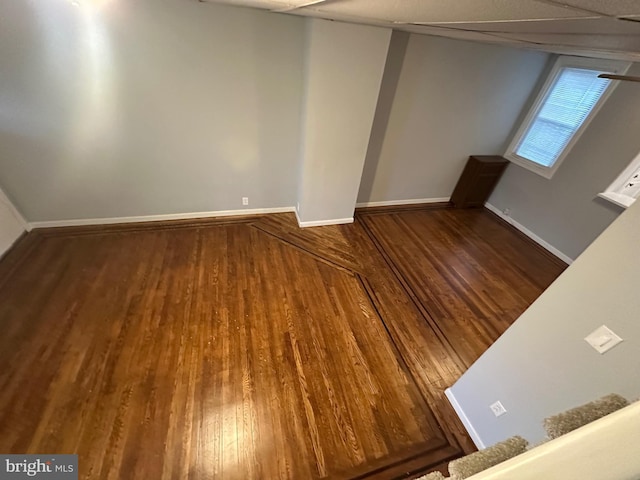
570, 97
626, 188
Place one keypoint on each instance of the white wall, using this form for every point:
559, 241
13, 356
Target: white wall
119, 108
344, 68
607, 146
453, 99
12, 225
542, 365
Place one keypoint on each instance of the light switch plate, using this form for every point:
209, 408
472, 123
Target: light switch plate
602, 339
497, 408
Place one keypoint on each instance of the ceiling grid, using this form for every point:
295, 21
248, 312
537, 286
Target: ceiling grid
602, 28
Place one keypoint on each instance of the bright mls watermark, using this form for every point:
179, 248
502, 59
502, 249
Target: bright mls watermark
51, 467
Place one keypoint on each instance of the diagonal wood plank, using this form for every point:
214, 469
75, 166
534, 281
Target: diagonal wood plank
468, 272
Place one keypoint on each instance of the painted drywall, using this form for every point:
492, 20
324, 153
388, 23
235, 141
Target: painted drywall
12, 225
453, 99
541, 365
343, 73
564, 210
388, 88
116, 108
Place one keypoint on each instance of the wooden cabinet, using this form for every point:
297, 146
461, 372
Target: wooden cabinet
479, 178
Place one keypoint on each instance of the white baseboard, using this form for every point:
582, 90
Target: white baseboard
321, 223
411, 201
546, 245
465, 420
157, 218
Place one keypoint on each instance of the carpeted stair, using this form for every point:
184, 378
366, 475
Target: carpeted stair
476, 462
570, 420
555, 426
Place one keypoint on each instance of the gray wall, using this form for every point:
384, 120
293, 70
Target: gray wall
453, 99
343, 73
388, 89
113, 109
542, 365
564, 210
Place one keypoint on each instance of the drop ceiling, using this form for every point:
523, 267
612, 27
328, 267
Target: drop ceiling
602, 28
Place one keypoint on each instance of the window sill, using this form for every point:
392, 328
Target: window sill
617, 199
546, 172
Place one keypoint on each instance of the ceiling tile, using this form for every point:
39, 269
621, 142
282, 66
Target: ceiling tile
538, 24
600, 25
264, 4
606, 7
341, 17
625, 43
449, 11
587, 52
459, 34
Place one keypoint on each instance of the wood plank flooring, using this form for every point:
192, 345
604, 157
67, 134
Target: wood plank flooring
249, 348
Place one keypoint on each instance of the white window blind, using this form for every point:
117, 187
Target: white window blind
569, 102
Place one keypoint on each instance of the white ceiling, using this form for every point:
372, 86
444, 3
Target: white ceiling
606, 28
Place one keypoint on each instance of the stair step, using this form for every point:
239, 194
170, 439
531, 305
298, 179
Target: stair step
476, 462
575, 418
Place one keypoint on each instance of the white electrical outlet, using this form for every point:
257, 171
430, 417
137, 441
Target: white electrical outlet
298, 206
497, 408
245, 200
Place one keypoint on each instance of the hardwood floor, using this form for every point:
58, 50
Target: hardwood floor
249, 348
467, 274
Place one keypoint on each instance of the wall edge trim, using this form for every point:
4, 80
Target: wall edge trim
464, 419
14, 211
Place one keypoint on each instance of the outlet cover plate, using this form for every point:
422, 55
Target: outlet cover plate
602, 339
